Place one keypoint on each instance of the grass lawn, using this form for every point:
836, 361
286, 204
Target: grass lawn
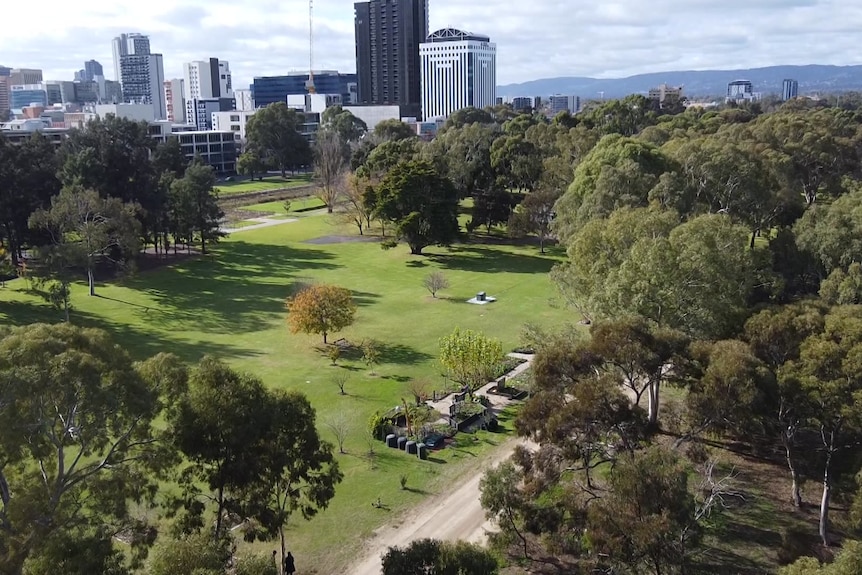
268, 183
297, 205
231, 304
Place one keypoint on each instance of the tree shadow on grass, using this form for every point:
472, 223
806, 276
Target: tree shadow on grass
140, 343
392, 353
242, 289
486, 260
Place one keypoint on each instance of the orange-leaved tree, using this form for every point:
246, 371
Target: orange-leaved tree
321, 308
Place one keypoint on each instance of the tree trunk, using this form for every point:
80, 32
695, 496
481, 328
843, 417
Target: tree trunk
66, 307
416, 250
653, 395
824, 509
795, 495
91, 282
203, 244
751, 244
324, 337
280, 565
219, 512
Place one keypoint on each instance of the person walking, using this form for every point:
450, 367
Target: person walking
289, 567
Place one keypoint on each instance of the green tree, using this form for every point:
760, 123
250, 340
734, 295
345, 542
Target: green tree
197, 201
848, 561
344, 123
729, 388
535, 215
464, 154
85, 229
817, 145
638, 353
646, 522
299, 471
390, 130
504, 502
471, 359
827, 374
776, 336
78, 443
695, 277
421, 203
251, 164
432, 557
111, 156
191, 555
517, 163
618, 172
466, 117
843, 288
833, 233
28, 181
322, 309
275, 131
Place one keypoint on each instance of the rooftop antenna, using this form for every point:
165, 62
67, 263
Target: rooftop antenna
310, 83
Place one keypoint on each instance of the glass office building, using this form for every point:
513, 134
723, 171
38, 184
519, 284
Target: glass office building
270, 89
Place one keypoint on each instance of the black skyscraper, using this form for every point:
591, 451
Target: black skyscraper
388, 34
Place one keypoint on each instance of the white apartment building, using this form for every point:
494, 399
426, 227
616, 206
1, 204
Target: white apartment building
459, 69
175, 101
244, 100
234, 121
207, 79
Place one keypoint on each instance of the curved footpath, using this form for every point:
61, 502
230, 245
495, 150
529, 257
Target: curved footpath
451, 515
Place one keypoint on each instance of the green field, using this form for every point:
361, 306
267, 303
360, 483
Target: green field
296, 205
231, 304
268, 183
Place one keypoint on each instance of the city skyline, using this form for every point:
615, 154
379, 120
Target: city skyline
614, 39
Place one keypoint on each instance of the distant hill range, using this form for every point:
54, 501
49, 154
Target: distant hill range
813, 79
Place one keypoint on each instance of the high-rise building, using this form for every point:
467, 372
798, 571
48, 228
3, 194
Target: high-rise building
522, 104
270, 89
740, 90
126, 44
4, 90
25, 76
666, 95
388, 34
92, 70
558, 103
141, 73
23, 95
244, 100
199, 111
207, 79
789, 89
110, 92
175, 101
143, 81
459, 69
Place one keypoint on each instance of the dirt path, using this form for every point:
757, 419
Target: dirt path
449, 516
262, 223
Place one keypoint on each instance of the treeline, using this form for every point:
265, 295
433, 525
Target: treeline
715, 252
107, 193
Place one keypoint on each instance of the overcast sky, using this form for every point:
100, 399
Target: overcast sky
535, 38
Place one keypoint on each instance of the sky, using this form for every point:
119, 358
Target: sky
535, 38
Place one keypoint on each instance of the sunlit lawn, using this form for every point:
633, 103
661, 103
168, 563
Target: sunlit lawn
231, 304
268, 183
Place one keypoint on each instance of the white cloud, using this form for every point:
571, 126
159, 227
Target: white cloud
540, 38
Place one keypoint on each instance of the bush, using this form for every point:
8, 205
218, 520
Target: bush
194, 554
256, 565
697, 452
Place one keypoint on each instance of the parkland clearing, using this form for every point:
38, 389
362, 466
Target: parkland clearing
201, 374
